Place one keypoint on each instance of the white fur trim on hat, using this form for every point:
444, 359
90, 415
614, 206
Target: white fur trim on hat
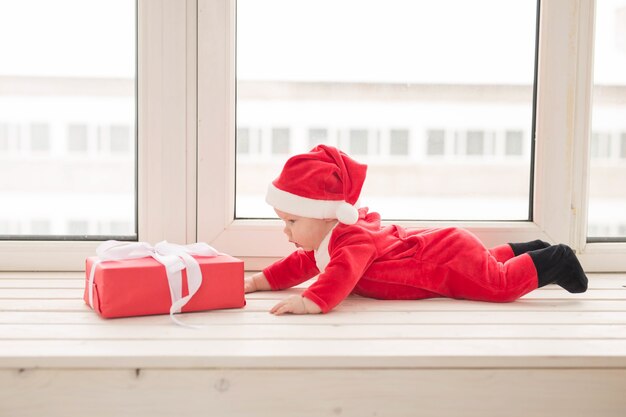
347, 213
308, 207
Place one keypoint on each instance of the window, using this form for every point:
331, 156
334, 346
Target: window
118, 228
475, 143
281, 141
69, 68
77, 138
355, 83
435, 142
399, 142
77, 227
601, 146
317, 137
120, 139
186, 135
243, 141
514, 141
40, 227
40, 137
5, 227
358, 145
4, 138
620, 28
607, 193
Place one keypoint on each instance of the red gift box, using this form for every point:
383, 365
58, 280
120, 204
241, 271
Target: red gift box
139, 287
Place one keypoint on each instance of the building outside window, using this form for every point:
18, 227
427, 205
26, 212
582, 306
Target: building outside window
243, 141
317, 136
358, 142
40, 137
601, 145
281, 141
120, 139
475, 143
77, 138
514, 142
4, 138
399, 142
436, 142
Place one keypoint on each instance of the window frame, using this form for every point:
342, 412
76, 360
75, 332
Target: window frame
564, 83
166, 165
186, 142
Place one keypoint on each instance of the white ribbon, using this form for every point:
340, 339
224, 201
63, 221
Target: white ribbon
174, 257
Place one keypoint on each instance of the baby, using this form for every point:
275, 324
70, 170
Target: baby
315, 195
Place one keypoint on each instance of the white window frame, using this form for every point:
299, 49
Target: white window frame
167, 142
561, 152
186, 153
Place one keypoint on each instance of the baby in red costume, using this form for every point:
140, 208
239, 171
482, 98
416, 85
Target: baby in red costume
315, 195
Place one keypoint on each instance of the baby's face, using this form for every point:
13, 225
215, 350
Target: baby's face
305, 232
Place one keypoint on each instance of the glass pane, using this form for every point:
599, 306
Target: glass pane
67, 119
436, 97
607, 192
399, 142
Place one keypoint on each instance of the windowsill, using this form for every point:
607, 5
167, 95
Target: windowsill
393, 357
547, 328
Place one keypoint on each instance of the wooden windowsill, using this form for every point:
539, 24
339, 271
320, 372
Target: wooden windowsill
564, 352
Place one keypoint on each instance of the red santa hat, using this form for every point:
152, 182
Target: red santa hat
324, 183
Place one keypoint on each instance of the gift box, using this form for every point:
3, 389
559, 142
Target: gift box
138, 287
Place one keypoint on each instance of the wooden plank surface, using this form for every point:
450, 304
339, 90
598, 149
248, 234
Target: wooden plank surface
238, 317
312, 332
549, 353
359, 304
45, 323
318, 353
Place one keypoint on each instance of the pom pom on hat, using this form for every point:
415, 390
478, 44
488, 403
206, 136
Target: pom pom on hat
324, 183
347, 213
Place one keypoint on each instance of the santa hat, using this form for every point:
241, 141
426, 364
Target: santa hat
324, 183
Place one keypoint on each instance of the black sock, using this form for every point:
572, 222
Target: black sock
558, 264
520, 248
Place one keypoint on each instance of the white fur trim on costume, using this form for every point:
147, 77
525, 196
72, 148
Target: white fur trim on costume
322, 256
306, 207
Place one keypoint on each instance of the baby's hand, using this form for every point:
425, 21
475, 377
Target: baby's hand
256, 282
296, 304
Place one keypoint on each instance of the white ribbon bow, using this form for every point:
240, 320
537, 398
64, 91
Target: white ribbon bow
174, 257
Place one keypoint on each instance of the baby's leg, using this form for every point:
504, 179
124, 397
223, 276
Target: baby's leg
454, 263
495, 281
502, 282
503, 253
554, 263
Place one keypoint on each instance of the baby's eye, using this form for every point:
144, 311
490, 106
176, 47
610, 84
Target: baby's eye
291, 221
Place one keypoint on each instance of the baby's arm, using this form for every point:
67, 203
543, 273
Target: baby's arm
291, 271
256, 282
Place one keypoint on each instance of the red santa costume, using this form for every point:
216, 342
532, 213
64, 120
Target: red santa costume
362, 257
